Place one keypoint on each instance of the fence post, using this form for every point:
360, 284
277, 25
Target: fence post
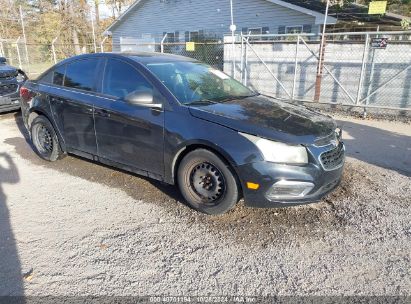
369, 87
53, 49
102, 44
295, 67
162, 43
320, 68
242, 57
246, 60
361, 80
2, 49
18, 52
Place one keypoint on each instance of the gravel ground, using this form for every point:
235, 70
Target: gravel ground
77, 228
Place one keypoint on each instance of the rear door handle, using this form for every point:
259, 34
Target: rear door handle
57, 100
102, 113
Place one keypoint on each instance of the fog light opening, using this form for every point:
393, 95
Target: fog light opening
284, 189
253, 186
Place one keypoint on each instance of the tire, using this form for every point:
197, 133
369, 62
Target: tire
207, 182
45, 140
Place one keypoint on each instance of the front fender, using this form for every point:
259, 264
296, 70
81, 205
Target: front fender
183, 131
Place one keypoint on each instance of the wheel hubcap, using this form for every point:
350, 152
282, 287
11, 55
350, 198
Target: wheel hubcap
207, 182
44, 139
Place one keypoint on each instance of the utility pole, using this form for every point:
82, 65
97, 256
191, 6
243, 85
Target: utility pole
25, 38
321, 57
233, 29
94, 34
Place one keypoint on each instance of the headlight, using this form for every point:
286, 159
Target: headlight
277, 152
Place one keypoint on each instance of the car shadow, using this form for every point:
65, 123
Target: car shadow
67, 164
383, 148
247, 225
11, 278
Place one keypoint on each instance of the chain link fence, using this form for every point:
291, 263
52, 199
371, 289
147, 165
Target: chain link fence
34, 59
369, 69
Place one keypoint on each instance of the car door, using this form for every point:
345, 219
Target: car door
128, 134
72, 103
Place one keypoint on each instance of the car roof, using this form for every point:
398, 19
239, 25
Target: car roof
142, 57
152, 57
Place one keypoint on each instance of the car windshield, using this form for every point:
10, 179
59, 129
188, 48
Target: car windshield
195, 82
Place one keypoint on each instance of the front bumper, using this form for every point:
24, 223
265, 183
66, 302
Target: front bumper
267, 174
10, 102
9, 105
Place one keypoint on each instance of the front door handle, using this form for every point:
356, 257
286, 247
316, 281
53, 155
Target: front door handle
102, 113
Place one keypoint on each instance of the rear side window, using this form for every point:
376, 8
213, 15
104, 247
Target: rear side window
46, 78
121, 78
58, 75
81, 74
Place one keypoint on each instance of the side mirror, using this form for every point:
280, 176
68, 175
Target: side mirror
143, 98
3, 60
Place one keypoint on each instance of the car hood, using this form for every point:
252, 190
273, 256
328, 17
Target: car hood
7, 71
269, 118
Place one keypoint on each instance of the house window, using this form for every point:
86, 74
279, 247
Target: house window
192, 36
294, 29
170, 37
255, 30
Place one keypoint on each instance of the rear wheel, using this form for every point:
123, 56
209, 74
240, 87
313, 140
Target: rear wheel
45, 140
207, 182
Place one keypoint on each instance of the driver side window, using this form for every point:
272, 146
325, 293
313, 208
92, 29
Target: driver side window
121, 79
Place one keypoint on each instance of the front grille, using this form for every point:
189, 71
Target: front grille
7, 77
6, 89
334, 158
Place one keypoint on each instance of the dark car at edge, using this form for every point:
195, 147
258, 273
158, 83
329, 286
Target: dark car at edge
11, 79
183, 122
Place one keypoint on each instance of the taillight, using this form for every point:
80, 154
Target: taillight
26, 94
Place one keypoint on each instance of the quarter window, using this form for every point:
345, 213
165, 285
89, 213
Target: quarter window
58, 75
121, 78
47, 77
81, 74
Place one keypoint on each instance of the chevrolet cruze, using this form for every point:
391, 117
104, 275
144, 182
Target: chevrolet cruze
183, 122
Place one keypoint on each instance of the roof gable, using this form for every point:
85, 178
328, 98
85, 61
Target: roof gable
319, 17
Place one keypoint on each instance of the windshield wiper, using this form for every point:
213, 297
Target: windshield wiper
202, 101
237, 97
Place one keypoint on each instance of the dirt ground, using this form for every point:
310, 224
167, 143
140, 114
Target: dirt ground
78, 228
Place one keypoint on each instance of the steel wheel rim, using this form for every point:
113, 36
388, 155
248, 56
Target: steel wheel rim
44, 139
207, 182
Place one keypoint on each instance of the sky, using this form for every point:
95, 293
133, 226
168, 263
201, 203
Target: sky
105, 11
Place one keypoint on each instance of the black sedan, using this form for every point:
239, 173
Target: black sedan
11, 80
183, 122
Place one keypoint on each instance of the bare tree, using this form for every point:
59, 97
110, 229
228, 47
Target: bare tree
117, 6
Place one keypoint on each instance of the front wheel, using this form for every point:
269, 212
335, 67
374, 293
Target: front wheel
207, 183
45, 140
